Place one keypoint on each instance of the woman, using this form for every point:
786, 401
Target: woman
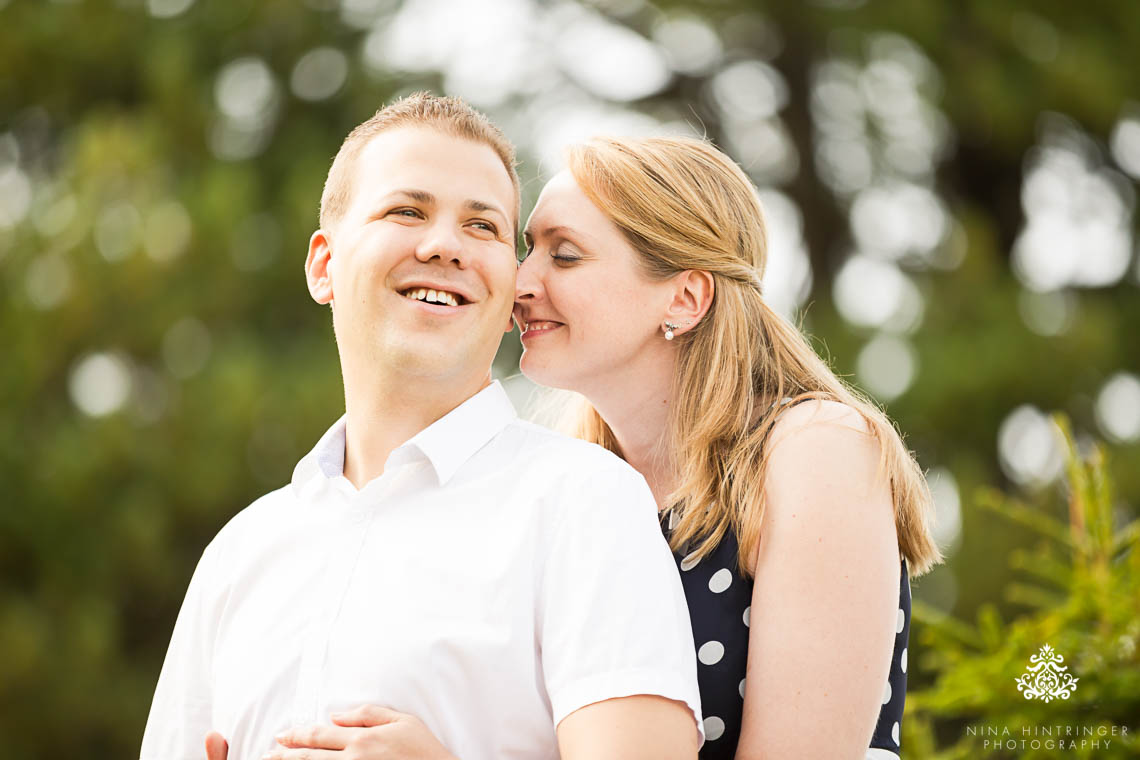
782, 490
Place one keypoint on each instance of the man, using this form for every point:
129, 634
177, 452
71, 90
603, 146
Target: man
507, 587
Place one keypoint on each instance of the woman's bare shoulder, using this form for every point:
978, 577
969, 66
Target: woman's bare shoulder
818, 417
820, 450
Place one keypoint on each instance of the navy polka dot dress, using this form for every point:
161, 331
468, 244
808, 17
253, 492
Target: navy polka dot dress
720, 601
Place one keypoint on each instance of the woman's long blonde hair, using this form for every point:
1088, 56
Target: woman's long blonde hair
684, 205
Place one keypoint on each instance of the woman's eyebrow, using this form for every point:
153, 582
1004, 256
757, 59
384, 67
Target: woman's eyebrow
556, 229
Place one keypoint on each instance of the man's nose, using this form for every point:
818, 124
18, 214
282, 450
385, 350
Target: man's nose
441, 242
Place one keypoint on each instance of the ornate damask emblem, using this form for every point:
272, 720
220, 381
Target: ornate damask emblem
1046, 678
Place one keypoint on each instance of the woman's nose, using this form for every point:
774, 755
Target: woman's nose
528, 283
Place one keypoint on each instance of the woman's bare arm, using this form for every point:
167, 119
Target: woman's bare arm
825, 599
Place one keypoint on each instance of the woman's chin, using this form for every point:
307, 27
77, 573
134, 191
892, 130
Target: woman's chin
545, 373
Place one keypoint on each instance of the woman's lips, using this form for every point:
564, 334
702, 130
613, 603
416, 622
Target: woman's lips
540, 327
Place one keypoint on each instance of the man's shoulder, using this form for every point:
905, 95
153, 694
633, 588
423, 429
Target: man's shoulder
572, 474
267, 508
560, 452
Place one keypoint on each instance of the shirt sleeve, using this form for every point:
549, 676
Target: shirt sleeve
613, 617
181, 713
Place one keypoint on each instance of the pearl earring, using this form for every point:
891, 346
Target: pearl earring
669, 328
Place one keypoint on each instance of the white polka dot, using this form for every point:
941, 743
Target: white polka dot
689, 562
714, 728
721, 580
874, 753
710, 652
742, 680
903, 663
895, 732
901, 621
747, 615
887, 693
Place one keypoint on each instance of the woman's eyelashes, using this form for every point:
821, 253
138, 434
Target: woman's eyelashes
564, 259
566, 254
562, 254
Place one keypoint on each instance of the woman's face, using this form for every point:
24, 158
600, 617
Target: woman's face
585, 306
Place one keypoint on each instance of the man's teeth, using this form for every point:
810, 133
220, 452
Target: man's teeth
432, 296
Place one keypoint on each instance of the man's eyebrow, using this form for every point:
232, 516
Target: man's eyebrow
420, 196
423, 196
475, 205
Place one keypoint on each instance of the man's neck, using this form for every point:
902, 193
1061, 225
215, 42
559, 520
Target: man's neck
384, 412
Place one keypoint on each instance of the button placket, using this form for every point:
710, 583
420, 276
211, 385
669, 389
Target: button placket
355, 515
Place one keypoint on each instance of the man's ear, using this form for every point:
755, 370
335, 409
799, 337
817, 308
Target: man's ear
317, 272
692, 296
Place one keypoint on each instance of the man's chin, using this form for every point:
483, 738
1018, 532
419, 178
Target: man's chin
419, 354
425, 361
431, 358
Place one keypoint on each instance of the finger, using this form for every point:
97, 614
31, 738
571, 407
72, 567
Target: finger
315, 737
216, 747
366, 715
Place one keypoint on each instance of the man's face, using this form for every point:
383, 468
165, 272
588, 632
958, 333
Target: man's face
428, 212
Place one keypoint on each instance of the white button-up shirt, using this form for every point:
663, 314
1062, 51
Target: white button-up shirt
494, 579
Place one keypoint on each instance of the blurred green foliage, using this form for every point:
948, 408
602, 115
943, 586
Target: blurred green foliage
1082, 601
177, 266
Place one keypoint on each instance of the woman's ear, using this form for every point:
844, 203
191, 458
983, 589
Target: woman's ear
692, 297
317, 273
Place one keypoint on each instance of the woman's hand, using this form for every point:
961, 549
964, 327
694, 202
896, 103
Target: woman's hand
216, 746
366, 733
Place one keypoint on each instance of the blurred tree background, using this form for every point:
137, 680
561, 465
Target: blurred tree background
951, 193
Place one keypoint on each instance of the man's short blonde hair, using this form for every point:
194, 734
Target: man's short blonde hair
449, 115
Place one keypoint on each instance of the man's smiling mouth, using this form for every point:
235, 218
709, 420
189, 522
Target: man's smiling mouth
428, 295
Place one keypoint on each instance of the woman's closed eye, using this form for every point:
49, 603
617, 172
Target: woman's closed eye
565, 260
562, 255
565, 254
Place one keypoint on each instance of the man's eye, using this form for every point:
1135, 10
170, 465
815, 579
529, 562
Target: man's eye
408, 212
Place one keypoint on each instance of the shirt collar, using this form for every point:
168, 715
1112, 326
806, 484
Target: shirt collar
453, 439
447, 443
